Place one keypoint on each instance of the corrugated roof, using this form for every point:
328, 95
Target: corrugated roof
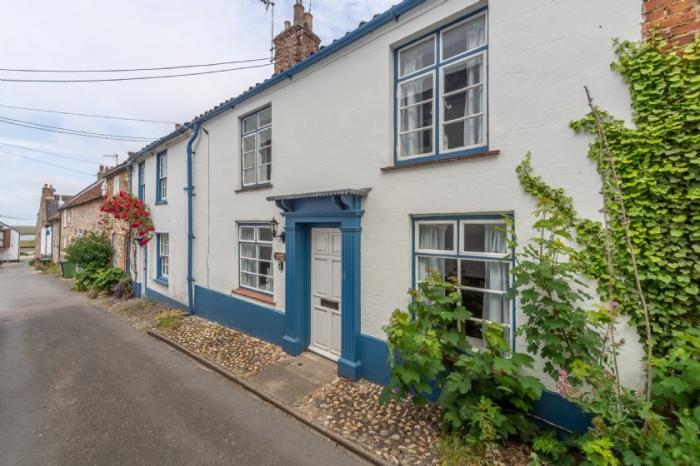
338, 192
392, 14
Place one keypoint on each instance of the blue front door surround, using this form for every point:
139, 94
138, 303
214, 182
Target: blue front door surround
329, 209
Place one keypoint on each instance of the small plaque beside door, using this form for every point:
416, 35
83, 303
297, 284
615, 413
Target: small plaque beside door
327, 303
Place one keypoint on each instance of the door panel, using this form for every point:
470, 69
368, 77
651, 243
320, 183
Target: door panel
326, 292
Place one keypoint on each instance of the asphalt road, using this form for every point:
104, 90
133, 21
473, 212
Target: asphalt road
80, 386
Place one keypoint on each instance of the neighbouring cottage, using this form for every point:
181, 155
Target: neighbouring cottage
9, 243
394, 153
82, 214
49, 204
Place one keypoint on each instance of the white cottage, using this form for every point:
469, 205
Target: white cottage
9, 243
303, 210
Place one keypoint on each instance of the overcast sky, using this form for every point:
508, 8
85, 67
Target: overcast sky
85, 34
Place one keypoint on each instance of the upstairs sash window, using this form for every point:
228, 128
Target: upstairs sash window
256, 148
441, 92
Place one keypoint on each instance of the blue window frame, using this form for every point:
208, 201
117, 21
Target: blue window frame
162, 178
473, 251
256, 148
141, 181
440, 92
163, 259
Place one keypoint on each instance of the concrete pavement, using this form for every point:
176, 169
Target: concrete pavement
79, 386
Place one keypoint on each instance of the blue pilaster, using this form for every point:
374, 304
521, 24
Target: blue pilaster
349, 363
295, 333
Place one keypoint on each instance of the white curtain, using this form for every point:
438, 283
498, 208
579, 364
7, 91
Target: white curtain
496, 274
434, 237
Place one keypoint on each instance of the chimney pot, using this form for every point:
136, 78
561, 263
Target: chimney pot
287, 25
309, 21
298, 13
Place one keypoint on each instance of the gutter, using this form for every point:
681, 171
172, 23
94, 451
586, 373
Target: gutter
190, 226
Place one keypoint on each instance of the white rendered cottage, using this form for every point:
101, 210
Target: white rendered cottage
390, 151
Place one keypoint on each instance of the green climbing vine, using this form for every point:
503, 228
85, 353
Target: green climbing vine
658, 165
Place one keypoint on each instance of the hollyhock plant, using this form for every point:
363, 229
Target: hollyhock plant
126, 207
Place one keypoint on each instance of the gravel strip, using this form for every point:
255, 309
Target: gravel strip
243, 355
399, 432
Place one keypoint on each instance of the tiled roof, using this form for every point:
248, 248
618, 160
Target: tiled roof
89, 194
392, 14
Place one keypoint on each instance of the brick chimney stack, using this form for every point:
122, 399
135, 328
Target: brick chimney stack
47, 192
297, 41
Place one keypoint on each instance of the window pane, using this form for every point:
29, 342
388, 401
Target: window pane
265, 268
463, 103
417, 143
265, 117
489, 275
447, 268
249, 143
464, 133
463, 74
417, 90
486, 306
417, 57
467, 36
248, 265
479, 237
250, 123
265, 253
265, 283
248, 280
247, 233
249, 160
418, 116
249, 175
163, 166
265, 155
436, 236
264, 234
265, 137
264, 173
248, 250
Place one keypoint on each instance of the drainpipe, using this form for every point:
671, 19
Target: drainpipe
190, 227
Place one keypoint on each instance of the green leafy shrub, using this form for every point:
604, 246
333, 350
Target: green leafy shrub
477, 386
84, 280
105, 279
677, 375
90, 252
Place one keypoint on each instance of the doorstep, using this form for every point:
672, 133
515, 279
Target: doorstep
294, 378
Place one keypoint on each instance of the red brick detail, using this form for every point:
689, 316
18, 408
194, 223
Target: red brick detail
267, 299
677, 21
297, 41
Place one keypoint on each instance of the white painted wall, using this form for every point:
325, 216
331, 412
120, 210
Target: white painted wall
333, 128
11, 253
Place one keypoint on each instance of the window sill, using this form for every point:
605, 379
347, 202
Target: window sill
254, 187
161, 281
262, 297
437, 161
164, 202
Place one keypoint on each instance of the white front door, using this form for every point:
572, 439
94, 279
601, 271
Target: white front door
326, 285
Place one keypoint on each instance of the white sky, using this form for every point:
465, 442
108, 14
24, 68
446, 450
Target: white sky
88, 34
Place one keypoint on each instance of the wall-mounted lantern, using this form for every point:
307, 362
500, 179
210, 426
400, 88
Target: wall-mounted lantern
274, 227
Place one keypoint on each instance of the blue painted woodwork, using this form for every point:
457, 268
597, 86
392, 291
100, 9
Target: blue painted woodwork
260, 321
302, 213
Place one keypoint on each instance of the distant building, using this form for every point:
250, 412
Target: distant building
48, 206
9, 243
